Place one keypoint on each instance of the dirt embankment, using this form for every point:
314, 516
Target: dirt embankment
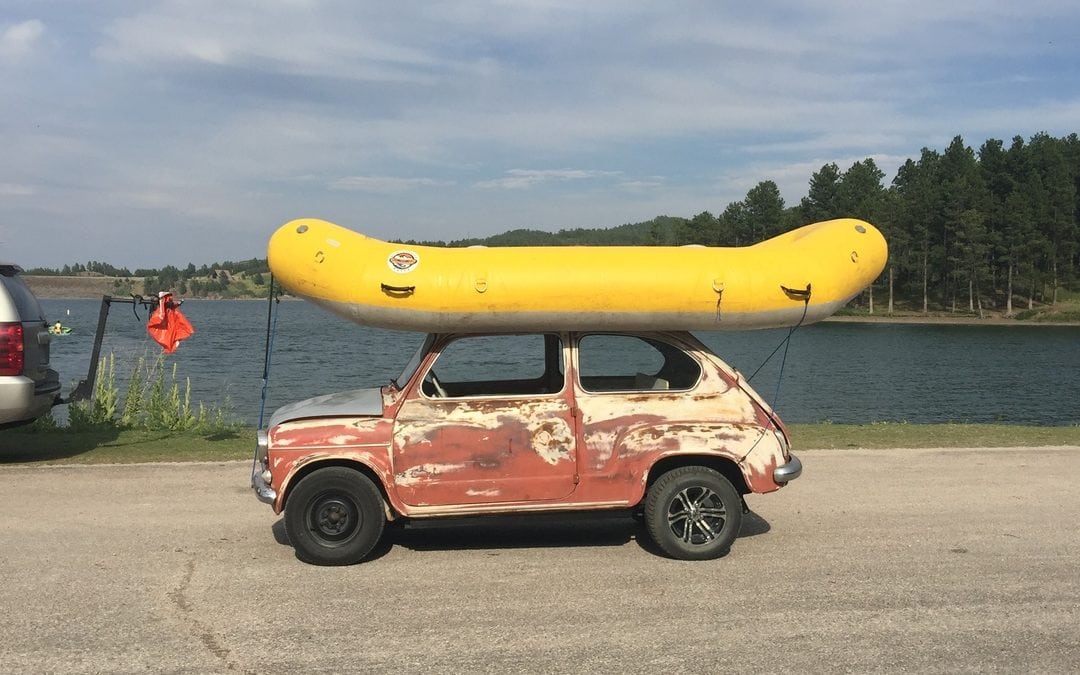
82, 287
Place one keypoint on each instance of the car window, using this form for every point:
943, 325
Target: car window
497, 365
633, 363
25, 303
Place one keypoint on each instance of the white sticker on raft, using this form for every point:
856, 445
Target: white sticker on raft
403, 261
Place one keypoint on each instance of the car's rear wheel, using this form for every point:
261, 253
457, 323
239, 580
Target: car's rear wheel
693, 513
334, 516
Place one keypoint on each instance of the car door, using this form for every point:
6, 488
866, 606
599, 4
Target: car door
488, 420
638, 397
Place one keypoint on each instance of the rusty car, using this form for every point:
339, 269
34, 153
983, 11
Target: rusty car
651, 422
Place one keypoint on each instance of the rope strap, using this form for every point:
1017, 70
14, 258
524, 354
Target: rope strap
271, 330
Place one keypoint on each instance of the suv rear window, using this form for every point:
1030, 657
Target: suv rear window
25, 303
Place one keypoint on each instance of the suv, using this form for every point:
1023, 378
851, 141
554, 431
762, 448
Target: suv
538, 422
28, 386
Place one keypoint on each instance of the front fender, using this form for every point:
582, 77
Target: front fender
288, 471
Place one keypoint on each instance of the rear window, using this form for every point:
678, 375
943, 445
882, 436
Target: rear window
616, 362
25, 303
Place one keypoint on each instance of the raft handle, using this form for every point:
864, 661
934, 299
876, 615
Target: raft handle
397, 290
797, 293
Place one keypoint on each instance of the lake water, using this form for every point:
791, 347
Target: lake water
841, 372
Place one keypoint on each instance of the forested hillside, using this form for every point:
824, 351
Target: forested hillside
967, 229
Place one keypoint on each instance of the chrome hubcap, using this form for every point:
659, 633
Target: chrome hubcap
696, 515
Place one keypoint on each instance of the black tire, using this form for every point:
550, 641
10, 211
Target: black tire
693, 513
334, 516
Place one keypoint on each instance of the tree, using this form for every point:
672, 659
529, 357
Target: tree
734, 226
822, 201
1056, 212
917, 200
860, 194
701, 229
963, 231
764, 210
1000, 222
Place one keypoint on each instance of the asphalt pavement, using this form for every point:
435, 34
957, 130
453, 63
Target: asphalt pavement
930, 560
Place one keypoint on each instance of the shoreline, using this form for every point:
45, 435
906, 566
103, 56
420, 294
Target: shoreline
903, 319
92, 288
944, 320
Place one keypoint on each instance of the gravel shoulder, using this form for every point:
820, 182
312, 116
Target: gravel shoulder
944, 560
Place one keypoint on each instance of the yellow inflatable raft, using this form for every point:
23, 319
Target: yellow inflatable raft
806, 274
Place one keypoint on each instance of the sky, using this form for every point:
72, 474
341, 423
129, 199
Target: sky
150, 133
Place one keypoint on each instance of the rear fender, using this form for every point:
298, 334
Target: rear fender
725, 466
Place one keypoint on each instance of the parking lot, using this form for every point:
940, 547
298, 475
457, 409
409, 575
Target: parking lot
887, 560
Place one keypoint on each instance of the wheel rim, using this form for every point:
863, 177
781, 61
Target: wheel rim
696, 516
333, 518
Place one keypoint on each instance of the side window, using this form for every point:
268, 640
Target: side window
497, 365
632, 363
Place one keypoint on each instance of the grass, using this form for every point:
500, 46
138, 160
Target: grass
903, 435
127, 446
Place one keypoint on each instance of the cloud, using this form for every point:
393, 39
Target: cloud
642, 184
18, 40
231, 117
384, 184
15, 190
519, 179
793, 178
275, 37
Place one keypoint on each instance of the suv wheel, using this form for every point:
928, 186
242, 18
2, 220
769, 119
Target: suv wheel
334, 516
693, 513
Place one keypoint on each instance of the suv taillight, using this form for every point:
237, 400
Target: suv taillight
11, 349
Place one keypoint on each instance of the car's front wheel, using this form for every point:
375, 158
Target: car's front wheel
334, 516
693, 513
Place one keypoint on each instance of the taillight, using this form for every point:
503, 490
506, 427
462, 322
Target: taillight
12, 358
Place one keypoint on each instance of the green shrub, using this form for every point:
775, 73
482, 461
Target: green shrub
133, 400
152, 401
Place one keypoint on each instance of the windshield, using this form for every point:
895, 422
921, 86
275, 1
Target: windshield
414, 362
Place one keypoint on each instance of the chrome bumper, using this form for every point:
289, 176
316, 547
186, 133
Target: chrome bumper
787, 472
263, 491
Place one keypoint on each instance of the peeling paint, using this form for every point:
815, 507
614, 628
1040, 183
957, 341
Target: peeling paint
482, 493
425, 472
571, 450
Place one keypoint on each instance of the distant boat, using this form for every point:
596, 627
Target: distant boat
804, 275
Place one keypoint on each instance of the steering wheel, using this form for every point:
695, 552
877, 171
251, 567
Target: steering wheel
435, 384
